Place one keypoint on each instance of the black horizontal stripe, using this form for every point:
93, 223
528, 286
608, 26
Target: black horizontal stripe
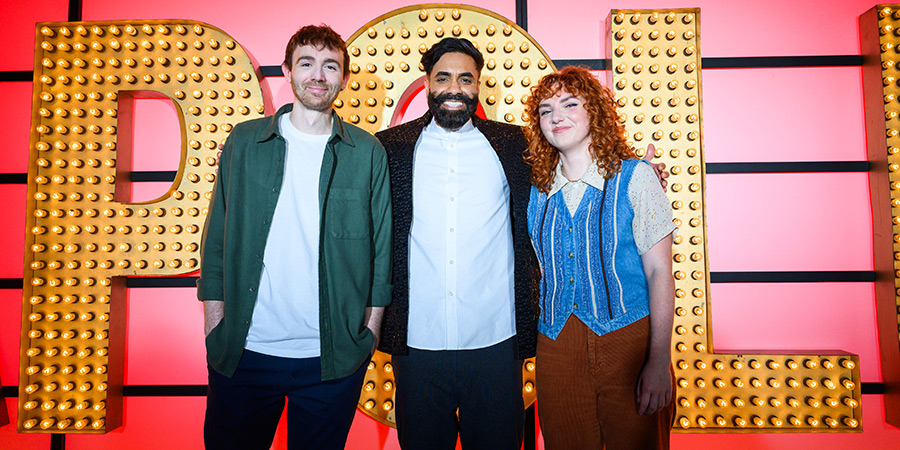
270, 71
158, 282
788, 167
846, 276
13, 178
153, 175
199, 390
16, 75
711, 168
590, 64
714, 62
765, 62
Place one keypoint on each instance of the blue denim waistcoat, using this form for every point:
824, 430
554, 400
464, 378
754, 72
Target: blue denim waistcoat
606, 290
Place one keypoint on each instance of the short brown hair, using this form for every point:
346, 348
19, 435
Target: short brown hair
318, 36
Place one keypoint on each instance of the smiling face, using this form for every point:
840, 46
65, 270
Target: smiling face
452, 89
316, 77
565, 122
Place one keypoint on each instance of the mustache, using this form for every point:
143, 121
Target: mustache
318, 84
440, 98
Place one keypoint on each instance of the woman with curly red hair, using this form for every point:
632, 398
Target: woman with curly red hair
602, 229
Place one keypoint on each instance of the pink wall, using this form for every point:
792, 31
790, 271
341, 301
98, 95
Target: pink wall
767, 222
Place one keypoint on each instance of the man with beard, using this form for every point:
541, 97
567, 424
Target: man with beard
295, 262
463, 315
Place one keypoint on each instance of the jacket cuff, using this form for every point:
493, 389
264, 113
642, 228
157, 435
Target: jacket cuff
381, 295
209, 289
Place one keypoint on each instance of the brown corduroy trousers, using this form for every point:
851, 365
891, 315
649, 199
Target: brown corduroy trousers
586, 390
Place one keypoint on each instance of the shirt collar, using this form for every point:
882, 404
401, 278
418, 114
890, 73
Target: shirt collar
591, 177
442, 133
338, 129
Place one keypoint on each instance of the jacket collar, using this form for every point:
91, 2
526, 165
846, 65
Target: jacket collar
338, 128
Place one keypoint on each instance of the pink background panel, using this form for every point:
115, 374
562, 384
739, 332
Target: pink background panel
10, 323
150, 423
17, 21
10, 440
779, 317
16, 125
12, 230
264, 29
279, 92
727, 28
165, 337
800, 114
149, 190
789, 222
156, 141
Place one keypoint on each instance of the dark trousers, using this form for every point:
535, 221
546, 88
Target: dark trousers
243, 411
483, 385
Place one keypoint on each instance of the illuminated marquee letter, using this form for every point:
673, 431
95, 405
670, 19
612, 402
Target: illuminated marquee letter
655, 73
385, 73
880, 44
83, 237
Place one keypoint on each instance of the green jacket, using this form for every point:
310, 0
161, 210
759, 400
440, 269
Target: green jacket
354, 239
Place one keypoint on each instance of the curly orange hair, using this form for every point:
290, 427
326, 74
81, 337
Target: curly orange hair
608, 146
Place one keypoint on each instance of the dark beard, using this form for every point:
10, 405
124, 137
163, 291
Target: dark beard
452, 120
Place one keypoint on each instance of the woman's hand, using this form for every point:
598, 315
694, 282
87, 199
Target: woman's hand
654, 387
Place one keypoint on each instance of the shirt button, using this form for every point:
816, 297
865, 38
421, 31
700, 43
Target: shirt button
571, 254
258, 255
452, 170
571, 280
451, 261
451, 293
252, 289
570, 229
452, 230
274, 189
266, 221
246, 322
576, 306
452, 198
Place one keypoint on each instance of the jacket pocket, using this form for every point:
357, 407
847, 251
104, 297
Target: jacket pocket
348, 214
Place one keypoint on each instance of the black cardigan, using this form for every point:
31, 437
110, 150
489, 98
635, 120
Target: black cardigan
509, 143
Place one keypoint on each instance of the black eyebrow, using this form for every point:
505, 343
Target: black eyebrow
447, 74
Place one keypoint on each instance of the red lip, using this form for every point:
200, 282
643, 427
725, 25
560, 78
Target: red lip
557, 130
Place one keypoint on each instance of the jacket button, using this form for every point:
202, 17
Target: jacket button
274, 189
571, 254
252, 289
571, 280
576, 306
570, 229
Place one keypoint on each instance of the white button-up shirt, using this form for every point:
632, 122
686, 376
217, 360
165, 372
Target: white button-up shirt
460, 244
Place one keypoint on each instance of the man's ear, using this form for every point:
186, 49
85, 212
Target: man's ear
287, 73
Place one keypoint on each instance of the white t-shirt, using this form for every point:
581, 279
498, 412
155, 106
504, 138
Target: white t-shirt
285, 318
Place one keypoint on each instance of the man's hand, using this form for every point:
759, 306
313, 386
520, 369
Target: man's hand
660, 168
213, 313
372, 319
654, 388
